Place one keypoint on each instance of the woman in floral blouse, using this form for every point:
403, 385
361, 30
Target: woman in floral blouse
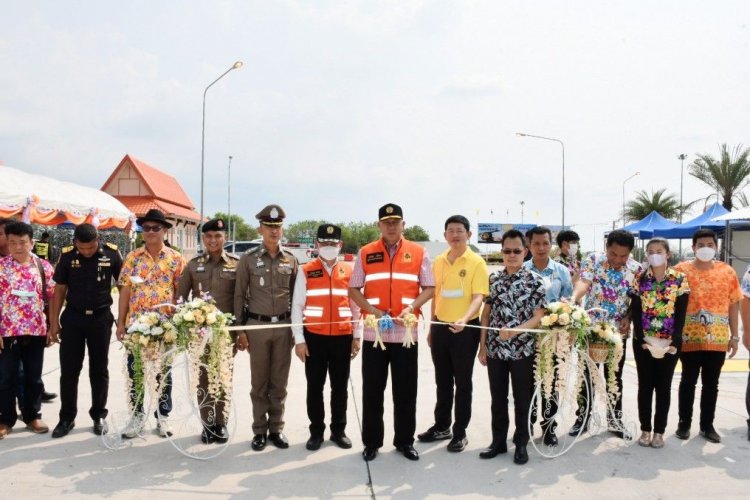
659, 304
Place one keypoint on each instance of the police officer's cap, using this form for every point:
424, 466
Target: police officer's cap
271, 215
329, 233
214, 225
390, 211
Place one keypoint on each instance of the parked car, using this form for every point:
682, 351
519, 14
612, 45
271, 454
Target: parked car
240, 247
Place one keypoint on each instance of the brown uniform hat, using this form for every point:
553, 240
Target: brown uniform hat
271, 215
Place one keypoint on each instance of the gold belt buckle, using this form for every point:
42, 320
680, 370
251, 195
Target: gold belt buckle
89, 312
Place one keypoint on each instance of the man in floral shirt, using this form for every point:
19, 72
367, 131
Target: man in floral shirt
148, 278
23, 328
605, 282
517, 300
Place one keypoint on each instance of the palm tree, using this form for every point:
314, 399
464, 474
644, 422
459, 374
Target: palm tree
728, 176
644, 203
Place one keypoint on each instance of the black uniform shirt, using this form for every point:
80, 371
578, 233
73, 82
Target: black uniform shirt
89, 280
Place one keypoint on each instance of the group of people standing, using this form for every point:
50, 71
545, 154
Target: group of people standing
321, 311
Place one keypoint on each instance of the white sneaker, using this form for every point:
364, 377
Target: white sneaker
134, 428
165, 430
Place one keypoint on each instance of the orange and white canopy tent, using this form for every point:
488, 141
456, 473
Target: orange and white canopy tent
44, 200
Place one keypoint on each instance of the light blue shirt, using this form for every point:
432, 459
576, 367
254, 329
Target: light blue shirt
556, 278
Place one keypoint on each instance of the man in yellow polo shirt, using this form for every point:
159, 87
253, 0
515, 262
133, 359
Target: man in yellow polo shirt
461, 283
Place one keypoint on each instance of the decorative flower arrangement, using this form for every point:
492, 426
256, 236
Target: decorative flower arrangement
198, 327
605, 346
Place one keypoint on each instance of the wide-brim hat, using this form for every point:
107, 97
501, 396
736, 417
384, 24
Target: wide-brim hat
154, 215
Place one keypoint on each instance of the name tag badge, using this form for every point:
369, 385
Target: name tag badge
372, 258
200, 269
260, 263
455, 293
230, 269
105, 264
137, 280
24, 294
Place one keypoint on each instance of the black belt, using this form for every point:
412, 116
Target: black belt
89, 312
268, 319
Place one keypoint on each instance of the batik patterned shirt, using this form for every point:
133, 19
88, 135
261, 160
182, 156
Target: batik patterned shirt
21, 296
609, 287
513, 300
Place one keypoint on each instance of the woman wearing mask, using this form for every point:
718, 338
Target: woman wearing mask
659, 304
710, 332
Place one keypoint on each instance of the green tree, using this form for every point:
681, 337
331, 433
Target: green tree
416, 233
302, 231
728, 175
644, 203
356, 234
241, 229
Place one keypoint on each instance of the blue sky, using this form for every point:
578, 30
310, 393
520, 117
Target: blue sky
344, 106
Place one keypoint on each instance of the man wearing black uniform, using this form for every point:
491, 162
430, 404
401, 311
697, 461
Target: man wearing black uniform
84, 276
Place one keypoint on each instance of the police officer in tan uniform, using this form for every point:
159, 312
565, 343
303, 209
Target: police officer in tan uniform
262, 296
213, 273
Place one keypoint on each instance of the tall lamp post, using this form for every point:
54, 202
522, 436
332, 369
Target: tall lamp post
623, 196
521, 134
682, 159
236, 65
229, 197
522, 204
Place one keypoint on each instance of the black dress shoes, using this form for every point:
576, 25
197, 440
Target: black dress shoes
683, 431
278, 439
63, 428
458, 444
341, 440
408, 451
711, 435
98, 426
48, 396
207, 435
221, 434
259, 442
580, 426
550, 439
493, 450
369, 453
520, 456
314, 443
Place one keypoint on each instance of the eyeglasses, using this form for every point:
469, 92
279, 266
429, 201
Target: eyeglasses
514, 251
151, 229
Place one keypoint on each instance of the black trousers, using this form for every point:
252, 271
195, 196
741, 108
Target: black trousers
708, 364
80, 331
453, 355
654, 378
404, 369
747, 395
29, 351
329, 355
618, 379
521, 375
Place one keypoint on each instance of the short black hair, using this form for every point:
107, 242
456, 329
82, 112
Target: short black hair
19, 229
3, 222
85, 233
705, 233
514, 233
458, 219
567, 235
45, 234
538, 230
622, 238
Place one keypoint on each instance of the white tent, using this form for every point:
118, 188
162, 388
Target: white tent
44, 200
739, 214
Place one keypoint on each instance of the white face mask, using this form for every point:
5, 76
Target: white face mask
573, 249
328, 253
705, 253
657, 259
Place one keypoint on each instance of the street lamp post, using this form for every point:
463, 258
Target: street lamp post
623, 196
229, 196
682, 159
236, 65
522, 204
562, 145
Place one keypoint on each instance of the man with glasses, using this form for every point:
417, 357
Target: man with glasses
516, 300
148, 278
263, 296
328, 342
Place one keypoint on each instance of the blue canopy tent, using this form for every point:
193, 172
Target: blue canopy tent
703, 221
646, 227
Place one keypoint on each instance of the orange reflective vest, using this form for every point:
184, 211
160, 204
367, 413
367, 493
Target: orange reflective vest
327, 298
391, 284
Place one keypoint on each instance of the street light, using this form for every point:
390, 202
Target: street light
229, 196
522, 204
623, 196
236, 65
521, 134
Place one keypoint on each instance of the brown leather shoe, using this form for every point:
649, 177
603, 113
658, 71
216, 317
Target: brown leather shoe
4, 430
37, 426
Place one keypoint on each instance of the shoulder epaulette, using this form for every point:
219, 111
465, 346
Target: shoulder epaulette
111, 246
68, 249
253, 250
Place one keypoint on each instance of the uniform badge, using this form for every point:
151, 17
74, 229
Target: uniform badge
259, 263
75, 263
274, 213
329, 230
200, 269
407, 257
462, 273
261, 282
389, 209
341, 271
